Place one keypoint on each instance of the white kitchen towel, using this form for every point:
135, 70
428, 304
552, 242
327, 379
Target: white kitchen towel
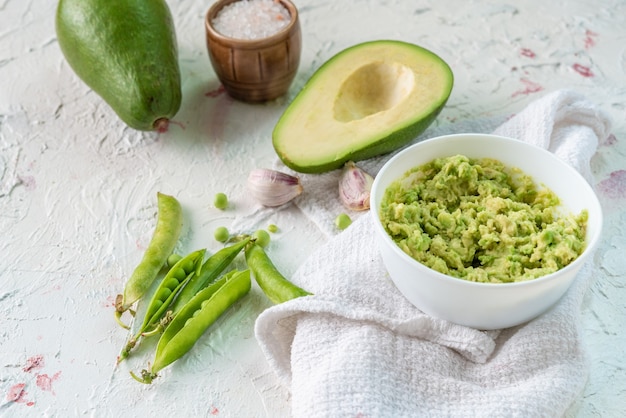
359, 348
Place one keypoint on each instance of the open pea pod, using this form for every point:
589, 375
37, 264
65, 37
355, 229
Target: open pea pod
175, 279
195, 318
211, 270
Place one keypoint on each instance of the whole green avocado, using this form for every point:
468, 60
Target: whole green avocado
125, 51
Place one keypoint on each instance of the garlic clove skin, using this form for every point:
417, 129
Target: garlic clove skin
273, 188
354, 187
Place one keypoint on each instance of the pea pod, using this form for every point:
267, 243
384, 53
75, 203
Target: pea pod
275, 286
168, 227
195, 318
211, 269
180, 273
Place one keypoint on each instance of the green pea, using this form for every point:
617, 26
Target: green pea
342, 221
173, 259
166, 233
188, 265
177, 272
275, 286
220, 201
272, 228
221, 234
262, 237
163, 294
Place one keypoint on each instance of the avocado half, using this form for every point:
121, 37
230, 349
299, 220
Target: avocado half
125, 51
367, 100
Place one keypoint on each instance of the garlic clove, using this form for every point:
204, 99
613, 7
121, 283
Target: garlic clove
273, 188
354, 187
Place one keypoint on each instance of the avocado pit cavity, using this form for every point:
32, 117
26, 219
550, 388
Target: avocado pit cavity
373, 88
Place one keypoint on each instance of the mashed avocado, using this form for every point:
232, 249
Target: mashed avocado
478, 220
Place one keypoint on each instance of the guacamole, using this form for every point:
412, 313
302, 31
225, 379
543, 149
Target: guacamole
479, 220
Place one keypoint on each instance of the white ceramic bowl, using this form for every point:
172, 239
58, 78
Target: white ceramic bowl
485, 305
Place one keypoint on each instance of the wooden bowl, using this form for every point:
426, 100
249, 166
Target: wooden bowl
255, 70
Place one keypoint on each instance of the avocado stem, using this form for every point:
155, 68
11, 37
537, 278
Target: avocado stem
161, 125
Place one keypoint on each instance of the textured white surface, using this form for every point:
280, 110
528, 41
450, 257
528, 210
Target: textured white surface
77, 192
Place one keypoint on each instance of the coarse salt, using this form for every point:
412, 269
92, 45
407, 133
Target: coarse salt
251, 19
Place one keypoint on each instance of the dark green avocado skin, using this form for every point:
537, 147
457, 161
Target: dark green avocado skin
125, 51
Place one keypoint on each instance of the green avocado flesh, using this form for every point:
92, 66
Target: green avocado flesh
367, 100
125, 51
